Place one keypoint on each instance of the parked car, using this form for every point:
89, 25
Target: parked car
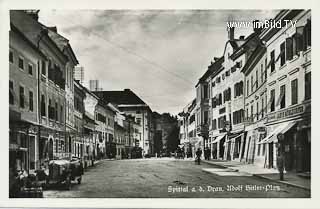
62, 172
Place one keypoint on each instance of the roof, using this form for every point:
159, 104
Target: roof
32, 45
254, 58
61, 41
125, 97
211, 69
32, 29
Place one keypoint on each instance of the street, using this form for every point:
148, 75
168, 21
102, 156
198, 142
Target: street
167, 178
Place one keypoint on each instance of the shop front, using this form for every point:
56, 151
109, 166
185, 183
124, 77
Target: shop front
289, 134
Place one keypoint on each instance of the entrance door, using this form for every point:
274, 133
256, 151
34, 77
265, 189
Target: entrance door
270, 155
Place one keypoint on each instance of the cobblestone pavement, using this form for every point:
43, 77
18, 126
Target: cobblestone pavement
168, 178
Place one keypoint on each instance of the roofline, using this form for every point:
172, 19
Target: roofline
15, 29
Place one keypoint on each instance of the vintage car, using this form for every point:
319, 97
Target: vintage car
62, 172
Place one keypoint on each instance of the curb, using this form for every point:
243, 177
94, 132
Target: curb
262, 177
221, 166
282, 182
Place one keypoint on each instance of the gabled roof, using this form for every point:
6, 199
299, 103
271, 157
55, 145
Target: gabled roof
211, 69
254, 58
32, 29
62, 42
125, 97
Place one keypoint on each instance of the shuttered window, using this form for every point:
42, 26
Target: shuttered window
294, 91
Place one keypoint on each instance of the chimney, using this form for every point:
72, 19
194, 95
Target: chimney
241, 37
34, 14
216, 58
53, 28
126, 90
231, 33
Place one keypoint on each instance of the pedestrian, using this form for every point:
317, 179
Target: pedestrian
209, 153
198, 154
280, 164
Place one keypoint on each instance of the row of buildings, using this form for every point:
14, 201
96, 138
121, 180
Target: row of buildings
254, 101
52, 115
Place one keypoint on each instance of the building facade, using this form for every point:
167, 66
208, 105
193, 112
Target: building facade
289, 91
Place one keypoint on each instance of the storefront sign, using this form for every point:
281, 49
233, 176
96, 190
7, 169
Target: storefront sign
289, 112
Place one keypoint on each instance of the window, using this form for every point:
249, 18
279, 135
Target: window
214, 124
266, 68
307, 87
43, 105
21, 93
247, 87
307, 35
213, 84
257, 110
251, 83
282, 54
261, 73
43, 69
11, 93
272, 63
205, 91
51, 110
257, 79
262, 107
251, 112
56, 111
289, 48
205, 117
31, 101
272, 102
11, 56
238, 116
139, 121
61, 114
30, 69
21, 64
282, 96
294, 91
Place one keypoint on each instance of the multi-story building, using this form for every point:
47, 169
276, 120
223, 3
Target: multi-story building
90, 103
226, 87
188, 136
24, 64
79, 111
66, 48
129, 103
119, 132
289, 91
51, 87
101, 120
255, 104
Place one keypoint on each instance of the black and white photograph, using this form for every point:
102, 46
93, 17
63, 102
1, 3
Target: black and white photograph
163, 103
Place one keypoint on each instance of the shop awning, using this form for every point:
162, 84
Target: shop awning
234, 136
218, 138
282, 128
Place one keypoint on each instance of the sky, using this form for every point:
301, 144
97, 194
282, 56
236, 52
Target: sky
158, 54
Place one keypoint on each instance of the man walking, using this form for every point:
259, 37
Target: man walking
198, 153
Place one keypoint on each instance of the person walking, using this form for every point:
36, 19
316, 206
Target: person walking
198, 154
280, 165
